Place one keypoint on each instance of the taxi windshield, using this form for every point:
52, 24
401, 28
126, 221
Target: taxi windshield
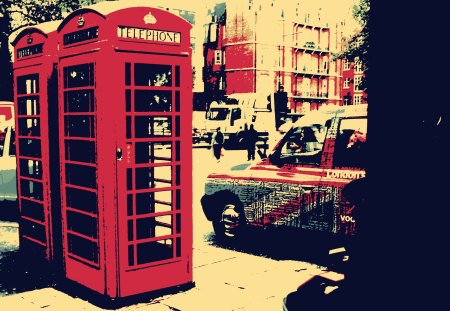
301, 144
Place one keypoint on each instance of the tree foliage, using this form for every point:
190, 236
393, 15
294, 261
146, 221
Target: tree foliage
15, 14
358, 44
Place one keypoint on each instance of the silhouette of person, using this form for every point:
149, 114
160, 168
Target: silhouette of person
251, 137
217, 143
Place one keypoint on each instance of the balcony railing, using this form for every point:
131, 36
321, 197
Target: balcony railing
311, 72
310, 95
311, 46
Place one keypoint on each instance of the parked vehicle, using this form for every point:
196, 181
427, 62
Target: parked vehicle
235, 111
7, 161
300, 184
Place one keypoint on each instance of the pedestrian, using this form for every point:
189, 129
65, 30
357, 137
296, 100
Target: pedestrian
217, 143
251, 137
240, 136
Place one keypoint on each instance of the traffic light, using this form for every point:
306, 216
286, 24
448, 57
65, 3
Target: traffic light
281, 106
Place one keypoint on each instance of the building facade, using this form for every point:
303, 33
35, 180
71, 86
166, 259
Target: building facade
259, 46
352, 90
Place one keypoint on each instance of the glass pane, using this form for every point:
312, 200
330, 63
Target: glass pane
153, 177
154, 251
82, 200
31, 168
80, 175
177, 76
177, 151
82, 248
2, 141
145, 203
79, 101
128, 125
152, 75
178, 247
163, 176
30, 147
128, 100
153, 202
177, 126
129, 204
153, 227
79, 126
127, 73
32, 210
177, 175
31, 189
28, 105
29, 127
178, 194
81, 223
130, 230
178, 228
156, 152
12, 143
144, 178
152, 101
80, 150
32, 230
28, 84
79, 75
129, 178
131, 255
177, 101
146, 127
350, 145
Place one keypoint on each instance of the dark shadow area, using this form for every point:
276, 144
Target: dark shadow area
75, 290
285, 244
311, 247
9, 211
18, 274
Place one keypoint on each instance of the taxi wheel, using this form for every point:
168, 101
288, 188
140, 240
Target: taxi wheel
231, 223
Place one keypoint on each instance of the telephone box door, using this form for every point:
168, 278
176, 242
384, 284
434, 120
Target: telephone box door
82, 217
154, 174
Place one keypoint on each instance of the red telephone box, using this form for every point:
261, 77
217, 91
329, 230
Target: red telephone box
125, 149
35, 98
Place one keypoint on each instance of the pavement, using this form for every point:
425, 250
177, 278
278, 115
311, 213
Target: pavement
225, 278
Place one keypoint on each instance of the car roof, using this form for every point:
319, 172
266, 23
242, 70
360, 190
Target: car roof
321, 116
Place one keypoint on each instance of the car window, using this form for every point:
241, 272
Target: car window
12, 143
303, 145
350, 147
3, 133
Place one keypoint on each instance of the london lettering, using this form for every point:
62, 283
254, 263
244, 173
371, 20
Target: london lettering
347, 218
348, 174
148, 34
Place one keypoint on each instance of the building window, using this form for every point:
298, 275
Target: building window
218, 57
357, 99
358, 65
346, 83
357, 83
347, 101
212, 32
346, 64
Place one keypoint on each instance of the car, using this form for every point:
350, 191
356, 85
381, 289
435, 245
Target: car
300, 184
8, 191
